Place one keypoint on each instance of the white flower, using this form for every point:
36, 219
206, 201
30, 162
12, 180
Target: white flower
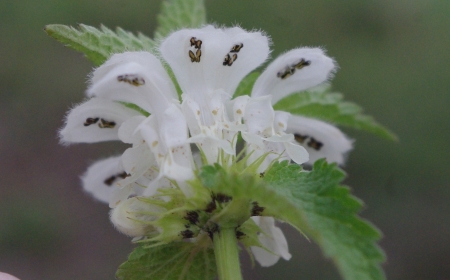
272, 238
132, 99
295, 71
209, 63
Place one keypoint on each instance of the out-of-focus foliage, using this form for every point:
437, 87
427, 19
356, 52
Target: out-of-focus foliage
393, 57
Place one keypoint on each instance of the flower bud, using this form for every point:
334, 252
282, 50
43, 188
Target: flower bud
134, 217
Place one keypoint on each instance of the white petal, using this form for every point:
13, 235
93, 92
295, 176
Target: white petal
96, 120
101, 178
280, 121
320, 139
199, 78
173, 128
148, 61
259, 116
273, 239
276, 81
296, 152
192, 112
128, 132
236, 108
254, 139
136, 161
119, 195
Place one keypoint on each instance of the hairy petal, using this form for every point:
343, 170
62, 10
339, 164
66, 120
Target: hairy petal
101, 177
142, 82
201, 69
95, 120
320, 139
294, 71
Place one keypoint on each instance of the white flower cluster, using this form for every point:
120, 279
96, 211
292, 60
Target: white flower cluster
132, 99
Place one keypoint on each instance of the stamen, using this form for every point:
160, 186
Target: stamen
228, 60
300, 138
301, 64
123, 175
110, 180
195, 57
196, 43
106, 124
236, 48
286, 72
90, 121
290, 69
134, 80
316, 145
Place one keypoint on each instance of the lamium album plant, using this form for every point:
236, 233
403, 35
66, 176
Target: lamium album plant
220, 152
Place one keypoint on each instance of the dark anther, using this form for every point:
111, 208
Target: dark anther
109, 181
261, 175
236, 48
106, 124
90, 121
316, 145
134, 80
300, 138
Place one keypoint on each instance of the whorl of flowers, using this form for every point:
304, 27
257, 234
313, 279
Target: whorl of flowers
133, 99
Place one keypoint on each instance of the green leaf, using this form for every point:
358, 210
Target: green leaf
330, 212
246, 85
174, 261
176, 14
330, 107
317, 205
99, 44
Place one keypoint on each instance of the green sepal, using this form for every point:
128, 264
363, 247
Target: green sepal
330, 107
99, 44
174, 261
176, 14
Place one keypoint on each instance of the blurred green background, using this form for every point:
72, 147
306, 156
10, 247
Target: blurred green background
394, 58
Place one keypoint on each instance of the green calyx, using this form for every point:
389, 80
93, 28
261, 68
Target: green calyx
204, 212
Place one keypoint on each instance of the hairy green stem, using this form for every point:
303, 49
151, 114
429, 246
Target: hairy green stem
227, 254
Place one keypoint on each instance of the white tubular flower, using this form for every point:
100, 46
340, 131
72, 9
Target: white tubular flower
209, 63
133, 99
101, 178
295, 71
95, 120
272, 238
320, 139
265, 133
159, 141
